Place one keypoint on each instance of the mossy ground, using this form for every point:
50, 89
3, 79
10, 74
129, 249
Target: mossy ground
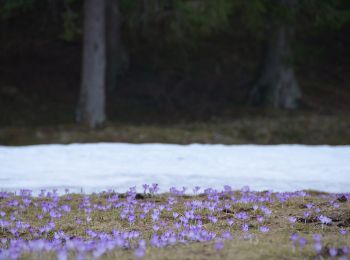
275, 244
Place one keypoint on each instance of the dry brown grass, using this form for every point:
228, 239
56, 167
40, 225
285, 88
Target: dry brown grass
301, 128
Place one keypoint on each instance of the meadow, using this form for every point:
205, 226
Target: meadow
180, 224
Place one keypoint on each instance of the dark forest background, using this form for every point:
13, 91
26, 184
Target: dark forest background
184, 71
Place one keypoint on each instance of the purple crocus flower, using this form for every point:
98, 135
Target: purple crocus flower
196, 189
266, 210
230, 221
294, 237
245, 228
318, 247
131, 218
309, 205
325, 220
145, 187
292, 219
154, 189
343, 231
139, 253
66, 208
156, 227
302, 242
62, 255
333, 252
317, 237
264, 229
219, 245
346, 250
155, 215
260, 219
242, 215
213, 219
245, 189
226, 235
228, 189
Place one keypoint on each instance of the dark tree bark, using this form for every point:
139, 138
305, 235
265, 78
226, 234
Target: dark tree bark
117, 58
277, 85
91, 107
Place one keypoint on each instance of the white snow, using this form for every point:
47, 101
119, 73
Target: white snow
118, 166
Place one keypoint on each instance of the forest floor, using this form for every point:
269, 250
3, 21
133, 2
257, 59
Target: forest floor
164, 97
201, 99
301, 128
211, 225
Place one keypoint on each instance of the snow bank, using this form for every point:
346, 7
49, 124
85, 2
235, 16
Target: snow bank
96, 167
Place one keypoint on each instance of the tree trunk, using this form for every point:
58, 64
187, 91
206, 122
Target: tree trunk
91, 107
117, 58
277, 86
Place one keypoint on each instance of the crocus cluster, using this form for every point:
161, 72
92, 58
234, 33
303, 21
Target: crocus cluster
66, 224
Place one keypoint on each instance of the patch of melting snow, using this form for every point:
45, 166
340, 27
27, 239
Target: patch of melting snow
118, 166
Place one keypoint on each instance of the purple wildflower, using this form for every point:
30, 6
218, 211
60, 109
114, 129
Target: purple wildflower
228, 189
62, 255
294, 237
302, 242
309, 205
343, 231
226, 235
264, 229
245, 228
145, 187
292, 219
139, 253
219, 245
317, 237
156, 227
318, 247
230, 221
324, 220
260, 219
131, 218
333, 252
346, 250
242, 215
196, 189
